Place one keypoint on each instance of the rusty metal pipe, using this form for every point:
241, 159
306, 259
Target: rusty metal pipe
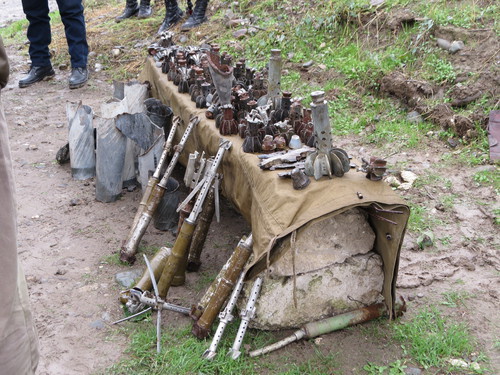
128, 251
198, 309
180, 274
180, 247
201, 232
183, 241
155, 178
221, 292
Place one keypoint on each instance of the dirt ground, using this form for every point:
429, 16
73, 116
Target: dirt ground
65, 237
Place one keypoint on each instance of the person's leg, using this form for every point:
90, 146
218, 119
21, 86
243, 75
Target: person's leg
145, 9
18, 339
173, 14
37, 13
198, 16
74, 26
131, 9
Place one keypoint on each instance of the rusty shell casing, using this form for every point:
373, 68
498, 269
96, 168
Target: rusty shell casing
144, 201
181, 246
197, 310
128, 251
201, 232
180, 275
201, 328
157, 264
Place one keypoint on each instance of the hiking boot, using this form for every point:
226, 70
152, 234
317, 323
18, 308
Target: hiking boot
145, 9
78, 77
131, 9
198, 16
172, 15
37, 74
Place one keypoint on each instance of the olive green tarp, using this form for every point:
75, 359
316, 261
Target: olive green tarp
271, 205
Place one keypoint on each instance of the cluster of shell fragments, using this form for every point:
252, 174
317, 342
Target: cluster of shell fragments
248, 102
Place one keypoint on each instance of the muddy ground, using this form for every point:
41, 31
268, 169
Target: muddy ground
66, 238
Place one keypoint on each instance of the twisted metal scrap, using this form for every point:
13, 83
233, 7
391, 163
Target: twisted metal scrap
375, 168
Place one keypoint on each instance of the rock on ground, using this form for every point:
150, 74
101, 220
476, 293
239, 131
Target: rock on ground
333, 274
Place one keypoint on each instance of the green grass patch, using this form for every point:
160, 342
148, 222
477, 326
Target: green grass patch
432, 339
15, 32
488, 178
433, 179
421, 220
496, 219
438, 69
395, 368
471, 154
113, 259
455, 298
182, 354
466, 14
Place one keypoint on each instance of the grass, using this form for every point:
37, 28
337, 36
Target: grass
432, 339
113, 259
395, 368
466, 14
453, 298
14, 33
421, 219
488, 178
182, 354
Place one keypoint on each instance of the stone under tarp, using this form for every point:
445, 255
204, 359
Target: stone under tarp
270, 204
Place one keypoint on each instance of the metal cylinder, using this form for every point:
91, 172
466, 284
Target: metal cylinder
128, 251
201, 328
274, 77
198, 309
157, 264
334, 323
364, 314
246, 316
201, 232
321, 121
180, 274
81, 140
110, 158
181, 246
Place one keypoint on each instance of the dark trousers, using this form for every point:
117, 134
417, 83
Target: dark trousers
39, 35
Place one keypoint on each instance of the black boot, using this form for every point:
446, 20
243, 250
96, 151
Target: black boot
198, 16
145, 9
37, 74
131, 9
172, 15
79, 76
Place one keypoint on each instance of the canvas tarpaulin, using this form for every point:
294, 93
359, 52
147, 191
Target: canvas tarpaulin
271, 205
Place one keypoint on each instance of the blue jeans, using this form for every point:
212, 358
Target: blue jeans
39, 34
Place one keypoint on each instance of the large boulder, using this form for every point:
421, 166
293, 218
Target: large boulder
319, 275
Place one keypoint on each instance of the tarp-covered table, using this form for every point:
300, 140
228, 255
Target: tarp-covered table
271, 205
